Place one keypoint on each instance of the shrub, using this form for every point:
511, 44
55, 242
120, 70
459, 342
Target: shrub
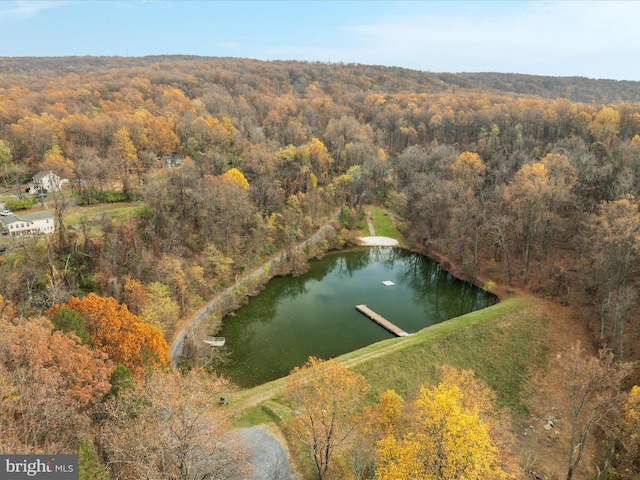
107, 196
489, 286
19, 204
111, 196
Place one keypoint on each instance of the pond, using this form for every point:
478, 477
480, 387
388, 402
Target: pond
315, 314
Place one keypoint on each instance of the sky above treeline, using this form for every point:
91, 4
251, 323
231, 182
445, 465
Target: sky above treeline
595, 39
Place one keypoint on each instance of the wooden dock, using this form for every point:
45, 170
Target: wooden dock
383, 322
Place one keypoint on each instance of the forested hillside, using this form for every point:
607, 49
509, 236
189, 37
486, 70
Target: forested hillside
576, 89
525, 182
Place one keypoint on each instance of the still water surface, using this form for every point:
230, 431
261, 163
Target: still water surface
294, 318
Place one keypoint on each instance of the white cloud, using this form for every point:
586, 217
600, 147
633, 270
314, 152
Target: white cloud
20, 9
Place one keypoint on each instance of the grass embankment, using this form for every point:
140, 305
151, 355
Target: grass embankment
503, 344
383, 224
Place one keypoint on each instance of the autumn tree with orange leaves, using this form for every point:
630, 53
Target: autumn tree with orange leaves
126, 338
49, 383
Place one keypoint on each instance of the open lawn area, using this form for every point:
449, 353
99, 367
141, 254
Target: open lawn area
93, 215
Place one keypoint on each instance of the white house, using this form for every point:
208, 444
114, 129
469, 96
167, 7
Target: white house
46, 182
171, 161
40, 223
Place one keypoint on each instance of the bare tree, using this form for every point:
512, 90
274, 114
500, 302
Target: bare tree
325, 397
170, 427
594, 384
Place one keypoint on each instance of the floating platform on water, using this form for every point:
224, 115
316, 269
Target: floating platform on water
383, 322
214, 341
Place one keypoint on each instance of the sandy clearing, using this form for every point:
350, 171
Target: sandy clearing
377, 241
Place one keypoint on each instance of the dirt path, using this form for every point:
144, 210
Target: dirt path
372, 231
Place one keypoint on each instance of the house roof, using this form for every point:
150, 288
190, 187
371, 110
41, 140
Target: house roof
41, 174
26, 217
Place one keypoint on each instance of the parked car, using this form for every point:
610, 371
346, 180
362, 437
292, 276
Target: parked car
40, 195
4, 213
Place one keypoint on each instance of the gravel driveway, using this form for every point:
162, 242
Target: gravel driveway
269, 458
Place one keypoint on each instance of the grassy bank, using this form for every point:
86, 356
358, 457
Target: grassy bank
383, 224
502, 344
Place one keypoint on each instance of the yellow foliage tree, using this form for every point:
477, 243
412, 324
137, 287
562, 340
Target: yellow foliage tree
450, 438
606, 125
468, 169
526, 196
325, 397
152, 302
234, 175
55, 161
125, 152
389, 415
161, 310
629, 457
319, 157
162, 137
124, 146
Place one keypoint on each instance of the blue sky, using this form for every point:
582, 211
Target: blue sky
563, 38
